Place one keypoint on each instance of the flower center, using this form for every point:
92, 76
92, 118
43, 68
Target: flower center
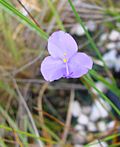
66, 64
64, 60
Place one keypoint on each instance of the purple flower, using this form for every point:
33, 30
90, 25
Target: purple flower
64, 61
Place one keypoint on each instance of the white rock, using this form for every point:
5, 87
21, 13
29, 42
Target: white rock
76, 109
110, 58
118, 45
86, 110
117, 64
78, 145
78, 138
114, 35
111, 45
95, 114
79, 127
83, 119
111, 125
92, 127
98, 111
103, 37
101, 126
97, 144
83, 133
78, 30
91, 25
100, 86
103, 107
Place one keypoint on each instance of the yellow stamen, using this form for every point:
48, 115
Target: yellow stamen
64, 60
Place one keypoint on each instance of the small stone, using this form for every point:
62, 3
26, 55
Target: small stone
76, 109
83, 133
111, 125
117, 64
78, 30
83, 119
110, 58
78, 145
118, 46
78, 139
111, 45
95, 114
98, 111
103, 37
79, 127
114, 35
100, 86
101, 126
86, 110
91, 25
103, 107
92, 127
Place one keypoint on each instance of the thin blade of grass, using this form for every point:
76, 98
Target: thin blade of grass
6, 87
26, 134
55, 13
9, 8
103, 80
93, 45
104, 139
86, 31
91, 83
8, 36
10, 121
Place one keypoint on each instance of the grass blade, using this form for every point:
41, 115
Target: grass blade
91, 40
55, 13
26, 134
103, 80
9, 8
10, 43
102, 94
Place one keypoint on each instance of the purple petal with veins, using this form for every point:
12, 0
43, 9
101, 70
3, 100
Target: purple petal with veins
52, 69
61, 44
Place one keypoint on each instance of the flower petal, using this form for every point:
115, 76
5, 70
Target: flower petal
52, 69
79, 65
61, 43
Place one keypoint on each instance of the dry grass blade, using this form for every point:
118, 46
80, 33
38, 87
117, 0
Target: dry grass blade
28, 111
41, 117
68, 118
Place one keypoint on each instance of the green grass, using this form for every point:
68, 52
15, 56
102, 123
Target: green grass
12, 10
